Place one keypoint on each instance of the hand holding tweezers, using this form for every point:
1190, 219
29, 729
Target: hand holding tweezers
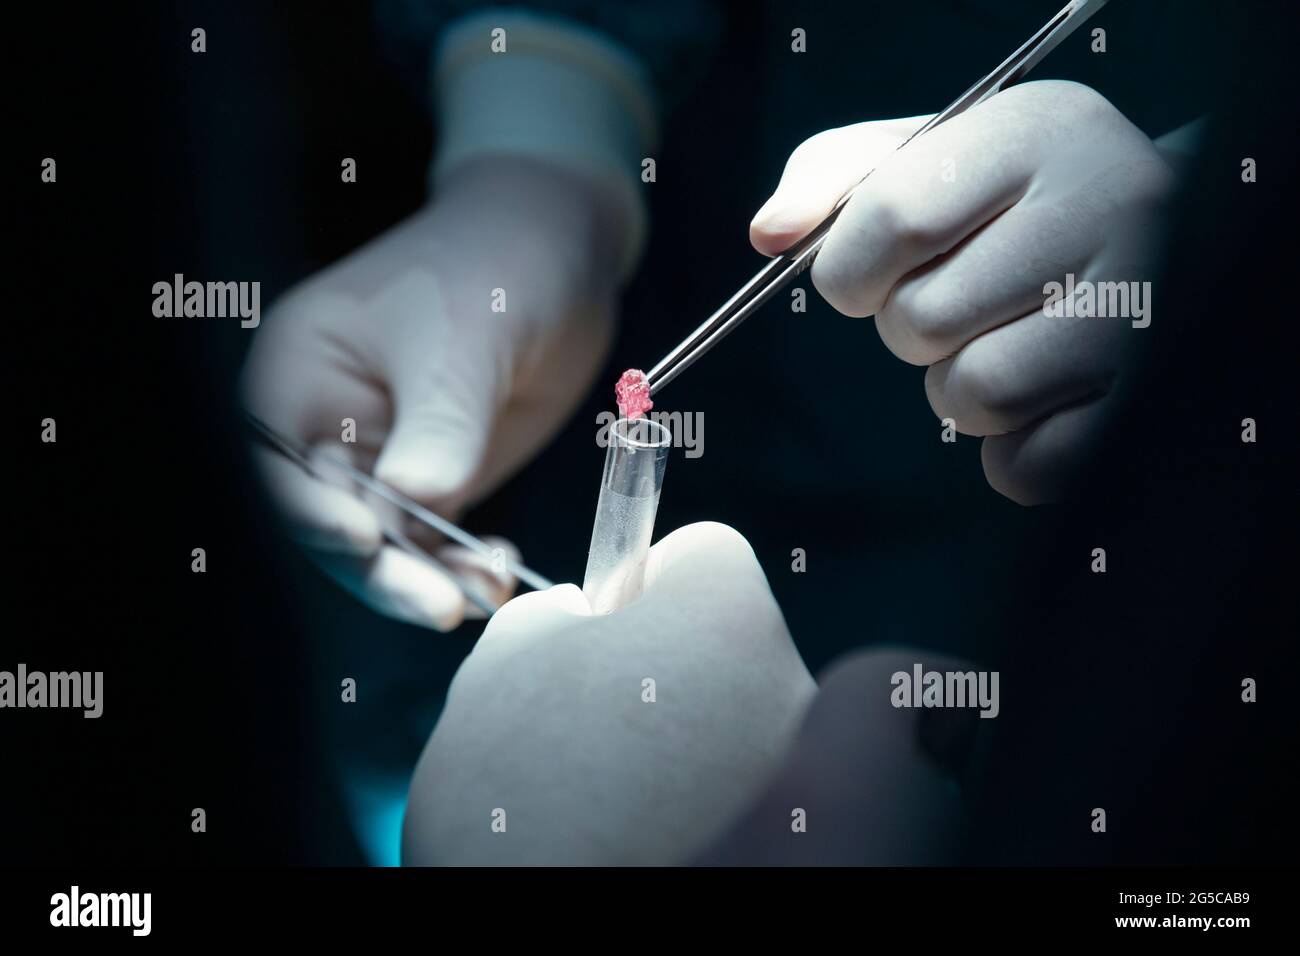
779, 271
414, 510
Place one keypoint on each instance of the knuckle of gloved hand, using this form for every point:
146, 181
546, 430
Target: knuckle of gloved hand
900, 206
1082, 97
883, 233
927, 322
897, 335
906, 217
1022, 474
935, 392
980, 390
694, 559
723, 544
839, 277
1001, 472
1056, 96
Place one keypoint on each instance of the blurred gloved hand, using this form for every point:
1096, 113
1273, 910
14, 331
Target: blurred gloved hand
457, 342
950, 242
548, 728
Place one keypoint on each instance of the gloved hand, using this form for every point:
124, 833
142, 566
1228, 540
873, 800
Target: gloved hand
449, 396
950, 242
547, 727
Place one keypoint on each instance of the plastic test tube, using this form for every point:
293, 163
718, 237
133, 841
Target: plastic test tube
625, 514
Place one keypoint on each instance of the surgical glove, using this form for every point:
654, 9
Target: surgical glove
952, 242
441, 357
629, 738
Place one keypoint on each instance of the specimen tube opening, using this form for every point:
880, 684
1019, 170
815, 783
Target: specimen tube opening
635, 460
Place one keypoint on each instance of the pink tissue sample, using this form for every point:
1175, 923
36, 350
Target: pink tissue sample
633, 394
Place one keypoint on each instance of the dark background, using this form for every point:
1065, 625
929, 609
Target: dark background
221, 691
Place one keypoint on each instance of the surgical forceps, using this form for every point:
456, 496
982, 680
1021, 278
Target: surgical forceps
412, 509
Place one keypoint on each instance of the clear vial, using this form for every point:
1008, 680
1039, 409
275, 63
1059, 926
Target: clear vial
625, 513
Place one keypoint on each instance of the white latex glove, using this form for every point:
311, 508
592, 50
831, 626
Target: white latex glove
546, 721
449, 396
1047, 179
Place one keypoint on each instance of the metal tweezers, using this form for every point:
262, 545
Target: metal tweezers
414, 510
781, 270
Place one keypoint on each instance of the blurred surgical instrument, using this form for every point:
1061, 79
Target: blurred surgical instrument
414, 510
